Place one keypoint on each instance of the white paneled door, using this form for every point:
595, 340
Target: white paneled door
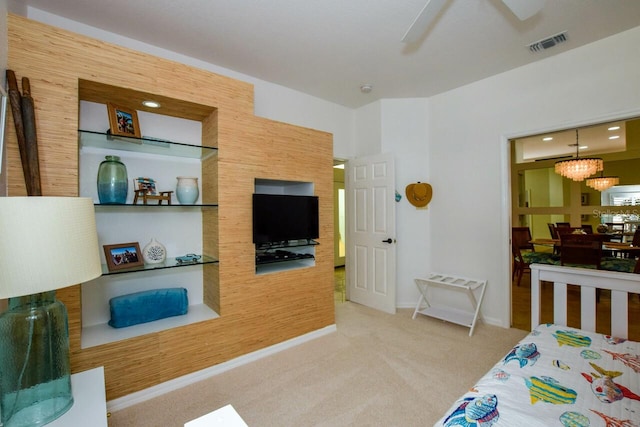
371, 254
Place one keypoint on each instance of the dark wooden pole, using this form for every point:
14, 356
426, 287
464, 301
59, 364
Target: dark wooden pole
31, 138
16, 109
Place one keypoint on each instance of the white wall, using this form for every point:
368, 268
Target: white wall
404, 133
468, 161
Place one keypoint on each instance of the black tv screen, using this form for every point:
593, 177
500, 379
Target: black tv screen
279, 218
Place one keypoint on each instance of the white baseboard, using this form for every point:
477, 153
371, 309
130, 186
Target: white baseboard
177, 383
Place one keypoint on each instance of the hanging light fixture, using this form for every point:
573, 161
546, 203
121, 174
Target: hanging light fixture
578, 168
602, 183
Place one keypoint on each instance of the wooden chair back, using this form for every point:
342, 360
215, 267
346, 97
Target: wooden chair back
521, 238
581, 249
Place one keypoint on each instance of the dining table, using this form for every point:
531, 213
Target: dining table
607, 246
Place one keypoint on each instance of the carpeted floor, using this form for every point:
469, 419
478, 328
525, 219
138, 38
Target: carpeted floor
376, 370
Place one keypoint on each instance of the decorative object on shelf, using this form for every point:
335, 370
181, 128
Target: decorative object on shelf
123, 255
123, 121
47, 243
419, 194
602, 182
602, 228
145, 188
113, 182
154, 252
188, 258
187, 190
579, 168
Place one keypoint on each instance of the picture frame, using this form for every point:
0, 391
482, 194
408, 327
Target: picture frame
123, 121
123, 255
145, 184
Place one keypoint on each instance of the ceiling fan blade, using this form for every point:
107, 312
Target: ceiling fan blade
423, 20
524, 9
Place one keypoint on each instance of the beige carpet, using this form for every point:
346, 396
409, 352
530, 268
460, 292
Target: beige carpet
376, 370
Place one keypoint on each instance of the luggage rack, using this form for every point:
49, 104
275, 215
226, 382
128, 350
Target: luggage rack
464, 285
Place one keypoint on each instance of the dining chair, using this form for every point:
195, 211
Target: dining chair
524, 253
581, 250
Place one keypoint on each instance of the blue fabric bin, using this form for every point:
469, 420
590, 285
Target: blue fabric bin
147, 306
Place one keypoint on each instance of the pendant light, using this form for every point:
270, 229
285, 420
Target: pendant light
602, 183
579, 168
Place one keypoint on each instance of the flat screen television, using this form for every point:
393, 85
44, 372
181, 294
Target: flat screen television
279, 218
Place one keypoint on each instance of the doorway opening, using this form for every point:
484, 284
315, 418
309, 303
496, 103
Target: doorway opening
340, 232
543, 200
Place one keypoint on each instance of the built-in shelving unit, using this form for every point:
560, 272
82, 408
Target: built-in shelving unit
177, 226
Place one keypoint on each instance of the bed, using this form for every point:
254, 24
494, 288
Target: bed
559, 375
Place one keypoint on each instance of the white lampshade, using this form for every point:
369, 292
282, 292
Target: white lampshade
46, 243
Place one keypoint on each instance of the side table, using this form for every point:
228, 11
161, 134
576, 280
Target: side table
89, 401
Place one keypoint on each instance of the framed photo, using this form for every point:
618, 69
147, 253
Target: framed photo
584, 199
123, 121
147, 185
123, 255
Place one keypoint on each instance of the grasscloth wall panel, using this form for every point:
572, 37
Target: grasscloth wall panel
255, 311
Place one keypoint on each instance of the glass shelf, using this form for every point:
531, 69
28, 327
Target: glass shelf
169, 263
127, 206
93, 139
289, 244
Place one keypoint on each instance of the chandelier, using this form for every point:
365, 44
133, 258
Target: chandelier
578, 168
602, 182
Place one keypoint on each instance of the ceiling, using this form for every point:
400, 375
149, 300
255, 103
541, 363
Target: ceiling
330, 48
597, 139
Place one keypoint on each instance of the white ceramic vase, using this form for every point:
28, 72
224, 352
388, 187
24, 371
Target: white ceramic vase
154, 252
187, 190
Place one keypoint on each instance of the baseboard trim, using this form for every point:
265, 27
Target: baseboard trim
177, 383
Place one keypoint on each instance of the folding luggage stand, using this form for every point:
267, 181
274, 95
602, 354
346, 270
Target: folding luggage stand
466, 318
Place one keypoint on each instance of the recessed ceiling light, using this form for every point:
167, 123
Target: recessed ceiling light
547, 138
614, 128
366, 88
614, 137
584, 147
151, 104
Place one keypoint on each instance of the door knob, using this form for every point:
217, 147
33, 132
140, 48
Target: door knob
389, 240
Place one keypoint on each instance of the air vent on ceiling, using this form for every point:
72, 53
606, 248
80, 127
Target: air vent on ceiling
548, 42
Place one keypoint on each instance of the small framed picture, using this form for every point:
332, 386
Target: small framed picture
123, 255
147, 185
123, 121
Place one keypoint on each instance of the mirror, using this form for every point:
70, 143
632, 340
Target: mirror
541, 196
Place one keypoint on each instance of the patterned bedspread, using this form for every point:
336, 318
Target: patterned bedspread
557, 376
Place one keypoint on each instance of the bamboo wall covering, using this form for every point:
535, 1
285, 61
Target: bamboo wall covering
255, 311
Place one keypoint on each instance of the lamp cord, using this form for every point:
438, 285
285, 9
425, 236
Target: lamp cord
24, 368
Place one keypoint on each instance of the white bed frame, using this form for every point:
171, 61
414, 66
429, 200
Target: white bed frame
620, 284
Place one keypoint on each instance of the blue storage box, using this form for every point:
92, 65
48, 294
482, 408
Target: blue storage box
147, 306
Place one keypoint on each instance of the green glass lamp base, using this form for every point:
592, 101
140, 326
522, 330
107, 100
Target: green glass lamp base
35, 371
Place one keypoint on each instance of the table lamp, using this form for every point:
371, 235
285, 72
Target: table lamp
46, 243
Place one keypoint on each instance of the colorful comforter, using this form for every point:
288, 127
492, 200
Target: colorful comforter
556, 376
